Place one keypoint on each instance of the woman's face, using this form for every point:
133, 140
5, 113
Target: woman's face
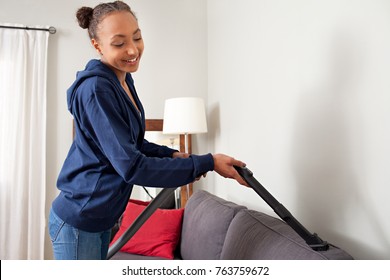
119, 42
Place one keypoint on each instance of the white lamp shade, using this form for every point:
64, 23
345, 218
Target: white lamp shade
184, 115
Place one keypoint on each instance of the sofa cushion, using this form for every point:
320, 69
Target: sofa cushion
255, 235
205, 224
157, 237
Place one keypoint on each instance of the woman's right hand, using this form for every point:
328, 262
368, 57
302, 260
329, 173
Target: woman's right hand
224, 166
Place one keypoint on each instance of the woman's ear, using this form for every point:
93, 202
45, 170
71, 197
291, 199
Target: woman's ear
96, 45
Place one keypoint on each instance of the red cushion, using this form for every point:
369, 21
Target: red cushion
158, 236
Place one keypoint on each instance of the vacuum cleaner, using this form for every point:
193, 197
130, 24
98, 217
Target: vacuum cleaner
312, 239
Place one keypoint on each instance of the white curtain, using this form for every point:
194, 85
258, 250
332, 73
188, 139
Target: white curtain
23, 64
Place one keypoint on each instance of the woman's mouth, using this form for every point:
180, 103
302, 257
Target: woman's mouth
131, 61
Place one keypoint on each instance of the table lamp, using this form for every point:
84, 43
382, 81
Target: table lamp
184, 115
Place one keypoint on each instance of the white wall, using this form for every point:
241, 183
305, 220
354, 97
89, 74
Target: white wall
174, 62
300, 91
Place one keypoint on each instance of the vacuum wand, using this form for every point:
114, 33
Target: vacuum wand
313, 240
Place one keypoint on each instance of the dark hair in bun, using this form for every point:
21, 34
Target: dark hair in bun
90, 18
84, 16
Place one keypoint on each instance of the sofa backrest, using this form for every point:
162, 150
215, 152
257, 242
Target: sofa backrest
255, 235
205, 224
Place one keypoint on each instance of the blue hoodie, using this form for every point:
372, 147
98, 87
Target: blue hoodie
109, 153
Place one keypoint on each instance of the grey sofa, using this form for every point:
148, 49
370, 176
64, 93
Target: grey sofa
215, 229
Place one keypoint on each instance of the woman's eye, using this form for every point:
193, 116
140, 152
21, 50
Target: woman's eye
118, 44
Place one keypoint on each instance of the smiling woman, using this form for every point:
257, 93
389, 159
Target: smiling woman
109, 154
119, 42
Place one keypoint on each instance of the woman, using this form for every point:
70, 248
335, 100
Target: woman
109, 153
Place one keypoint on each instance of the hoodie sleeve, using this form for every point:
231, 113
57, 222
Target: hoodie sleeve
113, 129
154, 150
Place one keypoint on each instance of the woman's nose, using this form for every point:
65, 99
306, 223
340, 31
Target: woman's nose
132, 49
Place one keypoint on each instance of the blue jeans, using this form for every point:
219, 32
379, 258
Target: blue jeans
70, 243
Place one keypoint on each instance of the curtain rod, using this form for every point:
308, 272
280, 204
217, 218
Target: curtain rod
51, 29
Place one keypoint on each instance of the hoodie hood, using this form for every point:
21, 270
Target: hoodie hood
93, 68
